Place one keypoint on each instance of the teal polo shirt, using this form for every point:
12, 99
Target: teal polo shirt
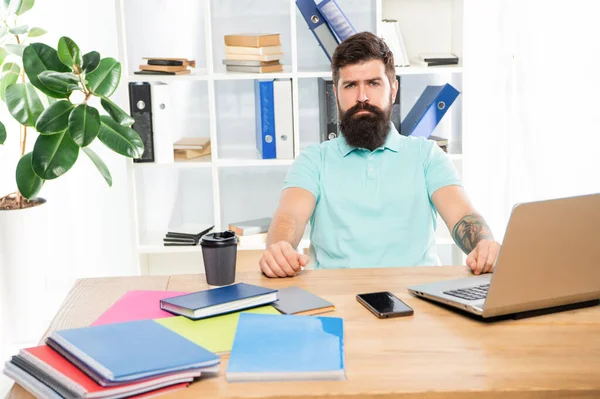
373, 209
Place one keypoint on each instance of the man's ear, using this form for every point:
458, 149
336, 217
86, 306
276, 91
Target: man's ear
394, 88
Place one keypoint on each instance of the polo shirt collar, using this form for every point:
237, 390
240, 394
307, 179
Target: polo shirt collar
392, 142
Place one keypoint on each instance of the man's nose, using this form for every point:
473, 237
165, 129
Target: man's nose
362, 94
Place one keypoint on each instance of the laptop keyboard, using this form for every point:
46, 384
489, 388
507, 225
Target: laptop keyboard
470, 294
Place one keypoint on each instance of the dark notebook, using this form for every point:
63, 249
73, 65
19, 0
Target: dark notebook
295, 300
220, 300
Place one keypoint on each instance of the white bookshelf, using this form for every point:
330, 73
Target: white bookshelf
233, 183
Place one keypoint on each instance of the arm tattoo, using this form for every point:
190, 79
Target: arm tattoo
469, 231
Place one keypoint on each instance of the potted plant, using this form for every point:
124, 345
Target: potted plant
57, 97
50, 92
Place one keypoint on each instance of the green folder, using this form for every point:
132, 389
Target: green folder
214, 333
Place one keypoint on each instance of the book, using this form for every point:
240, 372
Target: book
432, 63
253, 239
170, 61
253, 226
250, 62
136, 305
216, 301
192, 143
53, 370
438, 57
213, 333
183, 155
255, 69
252, 40
391, 33
162, 68
117, 353
287, 348
253, 50
295, 300
254, 57
184, 72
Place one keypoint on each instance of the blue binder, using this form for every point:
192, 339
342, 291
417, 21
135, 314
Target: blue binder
318, 26
264, 107
336, 19
428, 111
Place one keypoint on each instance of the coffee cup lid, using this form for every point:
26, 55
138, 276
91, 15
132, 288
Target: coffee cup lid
219, 239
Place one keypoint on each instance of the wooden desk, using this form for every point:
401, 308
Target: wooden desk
436, 353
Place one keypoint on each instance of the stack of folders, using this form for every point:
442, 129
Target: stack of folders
253, 52
166, 66
186, 235
110, 361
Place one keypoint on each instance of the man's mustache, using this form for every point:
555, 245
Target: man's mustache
364, 106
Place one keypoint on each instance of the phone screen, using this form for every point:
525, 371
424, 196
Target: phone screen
386, 303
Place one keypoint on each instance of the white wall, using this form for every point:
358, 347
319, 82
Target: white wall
90, 221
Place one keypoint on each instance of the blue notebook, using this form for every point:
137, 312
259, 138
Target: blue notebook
284, 348
216, 301
130, 351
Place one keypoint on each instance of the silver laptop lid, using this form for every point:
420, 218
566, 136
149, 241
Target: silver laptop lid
550, 256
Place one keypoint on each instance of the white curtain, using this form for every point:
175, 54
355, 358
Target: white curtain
531, 88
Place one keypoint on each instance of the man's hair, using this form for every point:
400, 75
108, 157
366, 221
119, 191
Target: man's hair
359, 48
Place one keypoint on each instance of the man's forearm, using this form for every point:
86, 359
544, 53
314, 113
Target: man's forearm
469, 231
284, 227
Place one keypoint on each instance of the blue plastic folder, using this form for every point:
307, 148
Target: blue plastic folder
318, 26
428, 111
130, 351
284, 348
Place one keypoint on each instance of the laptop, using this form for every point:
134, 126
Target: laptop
550, 257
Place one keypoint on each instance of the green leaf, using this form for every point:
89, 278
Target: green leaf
2, 133
12, 6
91, 61
3, 54
54, 155
18, 30
121, 139
84, 124
105, 79
99, 164
68, 52
28, 182
26, 5
116, 113
55, 118
11, 76
36, 32
23, 103
37, 58
16, 49
59, 82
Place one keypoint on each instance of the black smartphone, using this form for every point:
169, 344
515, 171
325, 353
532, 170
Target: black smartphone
384, 304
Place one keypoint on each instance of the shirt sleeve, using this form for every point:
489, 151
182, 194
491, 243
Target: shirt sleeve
439, 169
305, 171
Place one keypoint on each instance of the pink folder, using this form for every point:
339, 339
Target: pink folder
137, 305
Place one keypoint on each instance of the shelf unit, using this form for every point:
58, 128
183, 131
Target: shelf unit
233, 183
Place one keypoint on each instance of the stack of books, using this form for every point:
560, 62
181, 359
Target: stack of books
191, 147
253, 52
166, 66
251, 232
110, 361
436, 59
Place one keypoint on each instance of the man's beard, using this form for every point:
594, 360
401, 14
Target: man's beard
368, 130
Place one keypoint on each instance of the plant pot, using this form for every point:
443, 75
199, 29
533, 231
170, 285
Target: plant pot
26, 254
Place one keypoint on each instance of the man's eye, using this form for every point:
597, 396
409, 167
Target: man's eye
374, 84
349, 85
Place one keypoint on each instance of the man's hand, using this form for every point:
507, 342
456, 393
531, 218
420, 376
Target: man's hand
483, 258
282, 260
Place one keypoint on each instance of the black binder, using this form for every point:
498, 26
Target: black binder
140, 106
328, 111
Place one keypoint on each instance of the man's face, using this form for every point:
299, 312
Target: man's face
364, 97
